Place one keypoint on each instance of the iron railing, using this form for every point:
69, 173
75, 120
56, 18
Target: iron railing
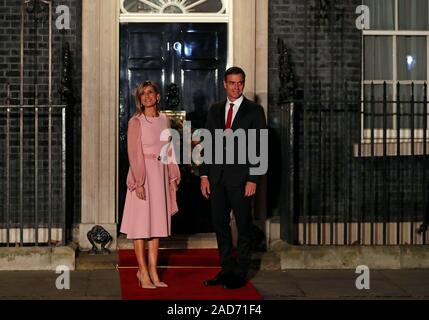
32, 179
355, 172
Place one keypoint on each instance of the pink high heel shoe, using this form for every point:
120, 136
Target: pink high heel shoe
159, 284
142, 285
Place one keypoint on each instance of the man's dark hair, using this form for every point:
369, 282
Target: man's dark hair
235, 70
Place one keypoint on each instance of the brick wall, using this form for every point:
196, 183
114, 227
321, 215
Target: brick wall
325, 170
333, 53
36, 72
321, 54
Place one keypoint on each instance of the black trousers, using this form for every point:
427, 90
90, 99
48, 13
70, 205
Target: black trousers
223, 199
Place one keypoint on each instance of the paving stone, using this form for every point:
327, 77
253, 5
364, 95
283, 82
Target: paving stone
272, 285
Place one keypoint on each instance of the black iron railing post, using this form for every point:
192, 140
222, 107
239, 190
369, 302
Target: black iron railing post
423, 229
385, 196
400, 217
288, 221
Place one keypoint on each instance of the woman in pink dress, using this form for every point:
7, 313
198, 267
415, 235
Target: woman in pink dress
152, 183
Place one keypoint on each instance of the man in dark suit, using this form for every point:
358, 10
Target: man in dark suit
232, 185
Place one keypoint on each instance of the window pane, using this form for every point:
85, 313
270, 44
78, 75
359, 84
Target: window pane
413, 14
405, 96
382, 14
412, 58
378, 58
377, 103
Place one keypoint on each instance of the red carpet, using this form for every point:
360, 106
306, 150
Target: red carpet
184, 271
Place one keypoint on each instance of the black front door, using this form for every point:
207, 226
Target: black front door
192, 56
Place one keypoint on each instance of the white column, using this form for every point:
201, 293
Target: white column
261, 54
100, 58
251, 53
261, 91
244, 37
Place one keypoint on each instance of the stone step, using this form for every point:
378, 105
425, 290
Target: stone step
86, 261
350, 257
37, 258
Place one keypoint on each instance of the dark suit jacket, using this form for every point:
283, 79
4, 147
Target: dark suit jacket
249, 116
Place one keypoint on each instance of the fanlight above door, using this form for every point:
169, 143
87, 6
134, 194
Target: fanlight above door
174, 6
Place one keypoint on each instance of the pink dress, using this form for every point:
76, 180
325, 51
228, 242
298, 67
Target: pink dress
150, 218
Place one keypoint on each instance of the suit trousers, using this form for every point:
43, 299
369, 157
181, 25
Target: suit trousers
223, 199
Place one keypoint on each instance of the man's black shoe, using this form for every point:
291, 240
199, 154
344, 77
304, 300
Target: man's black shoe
234, 283
220, 279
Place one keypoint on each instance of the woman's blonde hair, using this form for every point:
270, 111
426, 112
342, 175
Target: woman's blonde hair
139, 92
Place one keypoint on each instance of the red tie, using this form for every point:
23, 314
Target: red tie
229, 118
